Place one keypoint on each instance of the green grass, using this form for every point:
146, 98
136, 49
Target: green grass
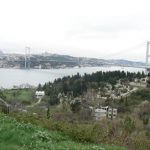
20, 95
25, 136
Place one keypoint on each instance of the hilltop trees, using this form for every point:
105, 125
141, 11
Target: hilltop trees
39, 87
78, 84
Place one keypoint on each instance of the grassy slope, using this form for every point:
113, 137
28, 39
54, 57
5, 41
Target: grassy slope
19, 95
15, 135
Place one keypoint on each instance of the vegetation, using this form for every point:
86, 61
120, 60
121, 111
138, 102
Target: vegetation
25, 136
25, 96
78, 84
66, 110
142, 94
122, 132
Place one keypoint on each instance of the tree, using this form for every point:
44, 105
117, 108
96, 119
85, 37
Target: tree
39, 87
48, 112
126, 102
53, 99
148, 83
2, 95
128, 124
145, 119
75, 105
65, 87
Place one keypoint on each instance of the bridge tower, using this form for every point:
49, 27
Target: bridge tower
27, 58
147, 57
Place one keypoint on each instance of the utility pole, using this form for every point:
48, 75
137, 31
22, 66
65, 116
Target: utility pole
112, 109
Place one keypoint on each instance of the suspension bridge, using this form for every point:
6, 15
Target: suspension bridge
143, 46
27, 61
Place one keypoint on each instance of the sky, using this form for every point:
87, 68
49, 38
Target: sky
109, 29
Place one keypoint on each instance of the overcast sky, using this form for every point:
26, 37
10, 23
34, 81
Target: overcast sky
90, 28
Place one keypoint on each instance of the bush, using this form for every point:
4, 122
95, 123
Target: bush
145, 120
128, 124
75, 105
105, 131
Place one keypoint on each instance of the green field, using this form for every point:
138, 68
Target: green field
20, 95
25, 136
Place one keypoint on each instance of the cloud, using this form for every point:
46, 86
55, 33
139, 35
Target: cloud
93, 28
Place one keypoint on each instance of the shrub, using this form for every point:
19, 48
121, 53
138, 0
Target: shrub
128, 124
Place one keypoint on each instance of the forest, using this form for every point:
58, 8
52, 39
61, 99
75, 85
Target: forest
78, 84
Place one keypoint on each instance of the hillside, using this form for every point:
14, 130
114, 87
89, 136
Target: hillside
69, 107
47, 61
83, 96
15, 135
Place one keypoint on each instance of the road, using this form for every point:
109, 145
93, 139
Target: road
128, 93
32, 105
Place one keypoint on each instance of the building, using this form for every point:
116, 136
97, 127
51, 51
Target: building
112, 113
39, 94
100, 114
104, 112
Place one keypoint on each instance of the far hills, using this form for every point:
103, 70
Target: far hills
48, 61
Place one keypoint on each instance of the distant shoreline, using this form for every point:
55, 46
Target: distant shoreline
75, 67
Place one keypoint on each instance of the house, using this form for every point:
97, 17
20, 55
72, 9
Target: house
112, 113
105, 112
39, 94
100, 114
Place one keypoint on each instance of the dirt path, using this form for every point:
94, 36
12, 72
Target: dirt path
4, 102
38, 102
130, 92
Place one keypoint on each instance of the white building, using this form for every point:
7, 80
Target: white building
39, 94
105, 112
100, 114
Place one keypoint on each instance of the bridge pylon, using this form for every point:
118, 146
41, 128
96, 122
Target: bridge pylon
27, 58
147, 57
